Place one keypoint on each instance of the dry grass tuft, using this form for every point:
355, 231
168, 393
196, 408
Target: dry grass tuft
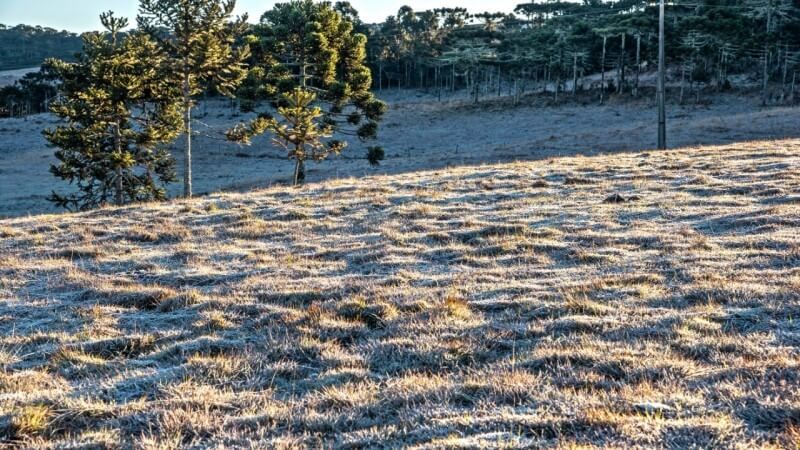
576, 304
8, 232
29, 421
455, 305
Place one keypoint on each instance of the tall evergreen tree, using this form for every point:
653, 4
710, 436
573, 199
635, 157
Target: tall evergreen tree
200, 37
119, 111
312, 47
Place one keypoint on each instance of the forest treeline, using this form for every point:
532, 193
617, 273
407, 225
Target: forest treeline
309, 72
24, 46
555, 45
550, 45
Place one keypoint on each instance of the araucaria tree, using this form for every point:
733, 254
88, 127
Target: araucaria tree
200, 38
118, 110
299, 130
302, 48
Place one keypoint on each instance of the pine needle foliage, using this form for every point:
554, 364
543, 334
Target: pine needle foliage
118, 111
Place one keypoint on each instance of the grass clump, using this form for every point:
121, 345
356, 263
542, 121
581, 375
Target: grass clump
456, 306
581, 304
30, 421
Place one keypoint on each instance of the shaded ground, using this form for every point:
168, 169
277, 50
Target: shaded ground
488, 306
419, 133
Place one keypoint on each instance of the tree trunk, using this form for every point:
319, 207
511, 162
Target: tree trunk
438, 82
725, 69
638, 64
785, 69
766, 54
499, 82
547, 74
603, 72
683, 81
187, 118
476, 88
120, 199
574, 74
558, 82
298, 172
765, 94
621, 78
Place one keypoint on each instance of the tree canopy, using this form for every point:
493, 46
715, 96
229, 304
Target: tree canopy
302, 45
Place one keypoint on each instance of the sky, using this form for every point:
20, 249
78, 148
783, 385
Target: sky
82, 15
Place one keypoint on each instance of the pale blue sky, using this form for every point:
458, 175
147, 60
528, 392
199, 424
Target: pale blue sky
81, 15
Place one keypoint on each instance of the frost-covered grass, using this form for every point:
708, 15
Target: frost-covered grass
488, 306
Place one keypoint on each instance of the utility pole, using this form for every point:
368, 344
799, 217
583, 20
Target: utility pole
765, 100
662, 111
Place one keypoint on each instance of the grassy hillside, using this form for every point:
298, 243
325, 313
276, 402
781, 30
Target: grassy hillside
501, 305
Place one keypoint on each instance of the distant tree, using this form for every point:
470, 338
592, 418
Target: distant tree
491, 21
350, 13
312, 47
375, 155
39, 89
452, 18
11, 98
200, 38
119, 110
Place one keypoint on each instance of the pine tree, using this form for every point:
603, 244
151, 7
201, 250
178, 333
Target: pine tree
119, 111
200, 38
311, 46
300, 130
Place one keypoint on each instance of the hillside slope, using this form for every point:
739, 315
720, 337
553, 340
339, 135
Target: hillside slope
498, 305
418, 133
